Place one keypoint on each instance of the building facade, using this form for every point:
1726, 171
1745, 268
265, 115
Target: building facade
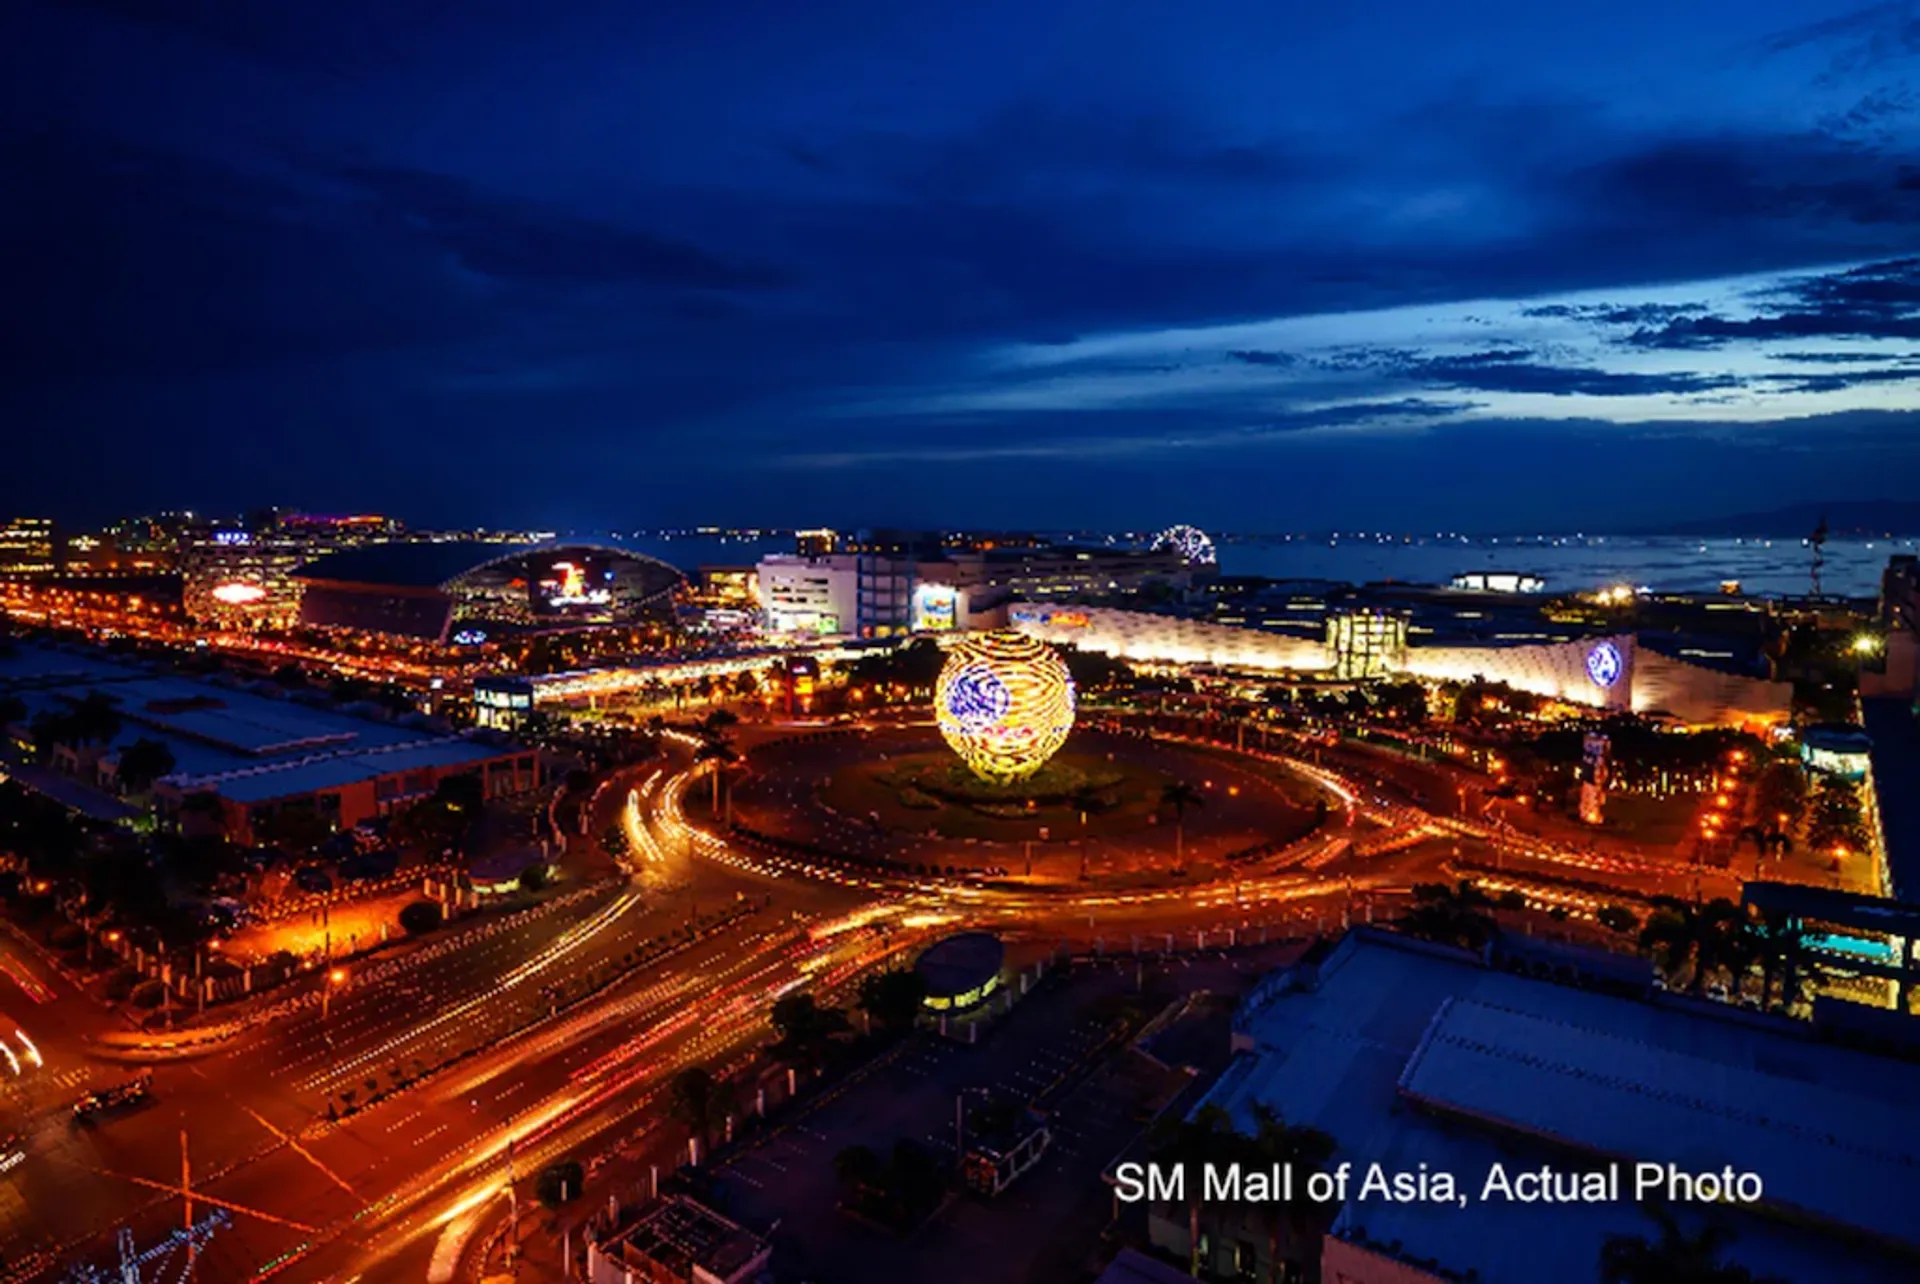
1610, 672
27, 548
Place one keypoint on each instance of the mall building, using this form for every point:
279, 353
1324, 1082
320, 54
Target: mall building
930, 589
465, 592
1617, 672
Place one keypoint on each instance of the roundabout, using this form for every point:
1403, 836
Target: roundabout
1113, 809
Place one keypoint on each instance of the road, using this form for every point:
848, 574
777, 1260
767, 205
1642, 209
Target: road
468, 1051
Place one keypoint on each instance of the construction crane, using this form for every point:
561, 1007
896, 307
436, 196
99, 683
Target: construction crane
133, 1263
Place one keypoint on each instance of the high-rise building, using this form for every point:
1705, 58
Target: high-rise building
27, 547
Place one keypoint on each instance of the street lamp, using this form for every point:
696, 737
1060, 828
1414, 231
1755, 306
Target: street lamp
338, 976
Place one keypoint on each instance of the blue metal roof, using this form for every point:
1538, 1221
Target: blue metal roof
408, 563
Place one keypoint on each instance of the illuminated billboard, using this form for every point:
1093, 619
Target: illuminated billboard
936, 608
572, 585
237, 593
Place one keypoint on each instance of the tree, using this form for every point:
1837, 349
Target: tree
1292, 1225
807, 1031
1618, 918
720, 754
1192, 1143
700, 1101
12, 709
1675, 1257
613, 839
1459, 915
559, 1183
1180, 796
718, 723
534, 878
1681, 936
1784, 951
893, 999
420, 917
143, 762
95, 719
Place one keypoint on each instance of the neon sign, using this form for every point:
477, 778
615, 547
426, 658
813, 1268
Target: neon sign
1604, 664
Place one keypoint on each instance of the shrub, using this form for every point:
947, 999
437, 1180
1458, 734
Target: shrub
421, 917
148, 994
66, 936
533, 878
121, 984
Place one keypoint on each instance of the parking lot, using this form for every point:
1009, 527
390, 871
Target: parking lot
1047, 1226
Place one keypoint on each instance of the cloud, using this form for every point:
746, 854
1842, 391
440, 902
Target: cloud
1874, 301
511, 239
1120, 435
1253, 357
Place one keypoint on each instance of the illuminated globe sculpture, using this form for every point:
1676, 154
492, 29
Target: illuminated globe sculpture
1005, 703
1192, 543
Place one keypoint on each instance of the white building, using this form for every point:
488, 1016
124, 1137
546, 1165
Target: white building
836, 595
1605, 672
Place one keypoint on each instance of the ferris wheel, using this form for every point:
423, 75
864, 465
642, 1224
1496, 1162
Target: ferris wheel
1192, 543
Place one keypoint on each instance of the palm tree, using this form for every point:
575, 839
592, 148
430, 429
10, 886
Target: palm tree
1180, 796
95, 719
1679, 934
1206, 1137
699, 1100
1783, 947
1676, 1257
1306, 1150
143, 762
720, 754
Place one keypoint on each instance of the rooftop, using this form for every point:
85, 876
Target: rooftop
678, 1233
408, 563
251, 747
1502, 1068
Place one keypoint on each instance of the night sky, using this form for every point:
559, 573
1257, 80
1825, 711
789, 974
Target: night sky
1490, 264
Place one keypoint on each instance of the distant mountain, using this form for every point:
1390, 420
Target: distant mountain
1845, 520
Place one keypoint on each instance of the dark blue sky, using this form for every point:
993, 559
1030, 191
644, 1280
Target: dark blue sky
1488, 264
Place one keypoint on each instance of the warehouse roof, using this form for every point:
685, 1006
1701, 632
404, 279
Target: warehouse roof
1500, 1068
